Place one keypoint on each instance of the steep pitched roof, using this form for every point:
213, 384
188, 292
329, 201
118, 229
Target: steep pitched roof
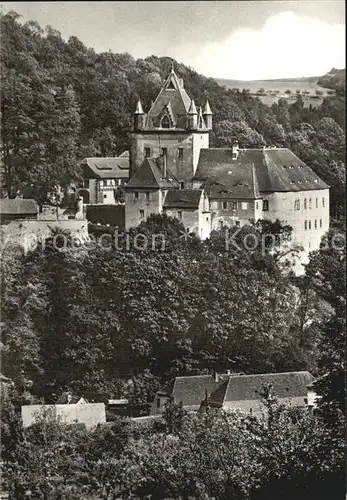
276, 169
150, 175
191, 390
106, 168
173, 94
18, 206
183, 198
249, 387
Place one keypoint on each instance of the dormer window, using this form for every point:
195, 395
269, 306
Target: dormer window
165, 122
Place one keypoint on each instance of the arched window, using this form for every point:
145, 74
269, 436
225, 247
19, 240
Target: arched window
165, 122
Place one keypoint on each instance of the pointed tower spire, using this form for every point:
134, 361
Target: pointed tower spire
172, 66
192, 108
207, 109
139, 117
208, 115
139, 109
192, 116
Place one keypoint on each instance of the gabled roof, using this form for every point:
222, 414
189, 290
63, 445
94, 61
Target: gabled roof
249, 387
191, 390
106, 168
150, 175
276, 169
183, 198
18, 206
172, 93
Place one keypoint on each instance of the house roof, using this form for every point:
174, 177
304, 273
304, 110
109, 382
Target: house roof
248, 387
234, 183
68, 398
183, 198
106, 168
191, 390
18, 206
275, 170
150, 175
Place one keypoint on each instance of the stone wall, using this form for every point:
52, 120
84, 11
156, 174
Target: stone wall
28, 232
133, 206
90, 414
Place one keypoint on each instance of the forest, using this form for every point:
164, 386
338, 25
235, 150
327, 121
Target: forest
111, 322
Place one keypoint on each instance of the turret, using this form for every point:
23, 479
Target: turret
192, 116
207, 114
139, 117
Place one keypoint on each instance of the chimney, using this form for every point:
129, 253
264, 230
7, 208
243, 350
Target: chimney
235, 150
216, 376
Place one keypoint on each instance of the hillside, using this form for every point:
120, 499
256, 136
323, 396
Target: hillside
62, 101
335, 79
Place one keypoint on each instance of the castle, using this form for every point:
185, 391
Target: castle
173, 171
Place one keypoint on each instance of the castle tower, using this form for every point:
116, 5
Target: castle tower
171, 128
207, 114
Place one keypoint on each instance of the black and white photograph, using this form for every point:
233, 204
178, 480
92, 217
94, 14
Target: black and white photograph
173, 250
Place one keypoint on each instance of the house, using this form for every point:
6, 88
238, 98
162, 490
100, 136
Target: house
188, 390
244, 392
265, 183
102, 177
17, 208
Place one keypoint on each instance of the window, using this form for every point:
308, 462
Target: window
104, 182
148, 196
320, 223
86, 183
147, 152
165, 122
265, 206
315, 224
310, 203
220, 224
158, 402
305, 204
179, 215
234, 205
225, 205
182, 185
142, 214
256, 205
297, 205
136, 195
305, 225
323, 202
207, 220
316, 202
237, 223
164, 151
105, 195
309, 224
180, 153
244, 205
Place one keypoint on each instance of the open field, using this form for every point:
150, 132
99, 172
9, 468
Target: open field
293, 84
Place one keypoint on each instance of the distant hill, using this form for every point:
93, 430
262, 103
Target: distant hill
335, 79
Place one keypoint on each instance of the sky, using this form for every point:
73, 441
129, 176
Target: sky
241, 40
